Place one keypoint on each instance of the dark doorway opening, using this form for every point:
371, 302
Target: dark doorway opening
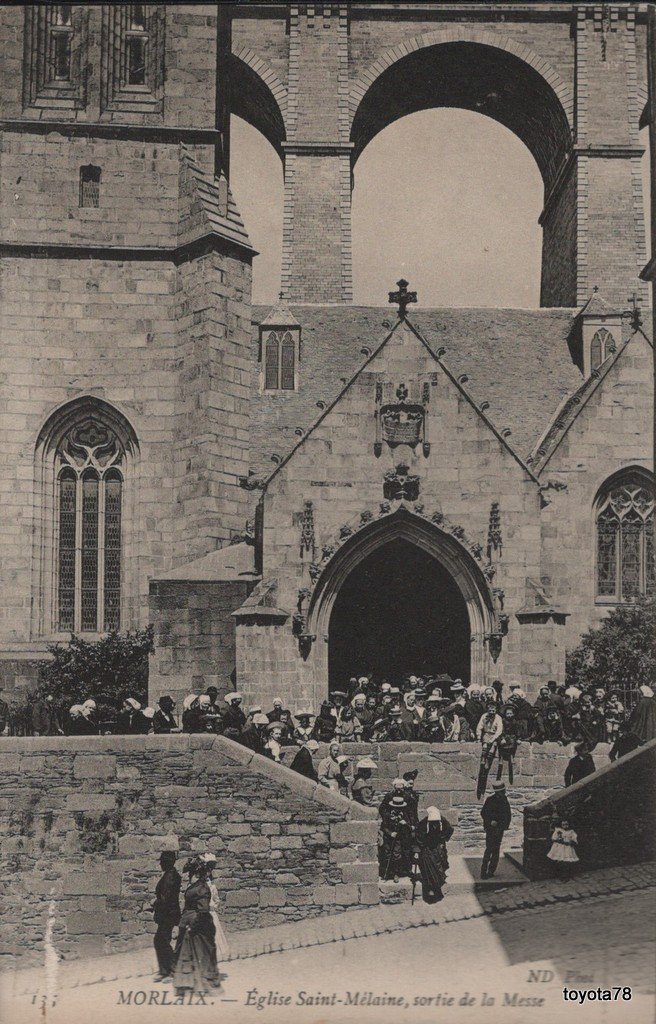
399, 613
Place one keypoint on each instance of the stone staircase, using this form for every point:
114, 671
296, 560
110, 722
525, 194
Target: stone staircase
447, 774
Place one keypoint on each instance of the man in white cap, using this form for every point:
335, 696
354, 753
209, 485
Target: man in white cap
362, 789
496, 815
303, 763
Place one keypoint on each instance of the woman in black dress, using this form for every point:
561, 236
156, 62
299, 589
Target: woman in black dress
196, 968
431, 836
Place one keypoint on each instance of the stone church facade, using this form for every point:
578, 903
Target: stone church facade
265, 485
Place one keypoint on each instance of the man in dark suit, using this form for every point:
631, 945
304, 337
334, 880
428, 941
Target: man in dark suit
496, 815
580, 765
166, 911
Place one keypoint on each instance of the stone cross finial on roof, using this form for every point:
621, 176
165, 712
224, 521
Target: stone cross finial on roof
634, 314
403, 297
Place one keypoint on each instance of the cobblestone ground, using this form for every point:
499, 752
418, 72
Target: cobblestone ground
497, 954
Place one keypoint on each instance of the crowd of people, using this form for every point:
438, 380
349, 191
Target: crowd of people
433, 710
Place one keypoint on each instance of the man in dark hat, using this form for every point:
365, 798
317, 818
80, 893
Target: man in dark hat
166, 911
163, 720
625, 743
325, 724
496, 815
580, 765
395, 849
214, 712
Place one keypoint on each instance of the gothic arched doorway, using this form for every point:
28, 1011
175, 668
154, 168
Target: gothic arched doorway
398, 613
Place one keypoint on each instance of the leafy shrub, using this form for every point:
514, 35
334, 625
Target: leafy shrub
620, 653
106, 670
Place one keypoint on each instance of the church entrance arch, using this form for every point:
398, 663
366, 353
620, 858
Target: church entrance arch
401, 597
399, 613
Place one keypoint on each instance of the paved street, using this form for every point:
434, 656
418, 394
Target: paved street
502, 960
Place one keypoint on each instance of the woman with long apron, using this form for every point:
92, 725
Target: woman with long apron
431, 836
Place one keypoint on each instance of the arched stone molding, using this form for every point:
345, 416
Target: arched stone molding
44, 554
557, 95
436, 542
258, 96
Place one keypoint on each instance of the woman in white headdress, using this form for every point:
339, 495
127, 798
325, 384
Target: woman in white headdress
129, 717
76, 725
431, 836
642, 722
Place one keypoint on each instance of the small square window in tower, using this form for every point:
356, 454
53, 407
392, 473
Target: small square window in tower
280, 350
90, 186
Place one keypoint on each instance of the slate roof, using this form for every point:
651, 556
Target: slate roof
517, 360
570, 409
209, 206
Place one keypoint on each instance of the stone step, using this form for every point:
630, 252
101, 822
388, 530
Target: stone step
463, 876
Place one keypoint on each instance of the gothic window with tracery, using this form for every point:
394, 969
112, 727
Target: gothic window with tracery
280, 362
601, 347
625, 541
90, 488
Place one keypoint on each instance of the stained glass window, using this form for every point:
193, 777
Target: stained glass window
89, 536
67, 522
607, 528
271, 358
601, 347
287, 363
112, 582
280, 362
625, 541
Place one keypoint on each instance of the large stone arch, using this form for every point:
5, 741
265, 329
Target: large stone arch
258, 96
475, 69
442, 546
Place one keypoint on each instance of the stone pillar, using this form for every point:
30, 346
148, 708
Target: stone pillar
542, 648
316, 261
610, 225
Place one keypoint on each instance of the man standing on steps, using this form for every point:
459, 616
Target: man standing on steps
496, 815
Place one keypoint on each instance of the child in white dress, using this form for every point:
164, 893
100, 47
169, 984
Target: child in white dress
563, 853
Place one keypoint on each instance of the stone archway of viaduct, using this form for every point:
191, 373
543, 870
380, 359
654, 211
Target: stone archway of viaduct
320, 97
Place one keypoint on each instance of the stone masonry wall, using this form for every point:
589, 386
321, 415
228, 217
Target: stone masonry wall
82, 822
611, 432
194, 636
